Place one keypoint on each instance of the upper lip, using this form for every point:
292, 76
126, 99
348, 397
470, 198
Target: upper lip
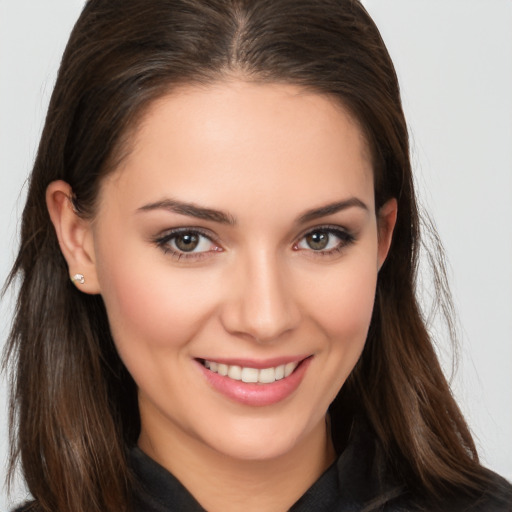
257, 363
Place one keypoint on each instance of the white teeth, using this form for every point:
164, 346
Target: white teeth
252, 375
288, 369
235, 372
267, 375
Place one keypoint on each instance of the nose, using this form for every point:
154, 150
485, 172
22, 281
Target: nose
261, 303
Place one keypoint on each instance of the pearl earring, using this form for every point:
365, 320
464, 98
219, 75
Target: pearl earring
78, 278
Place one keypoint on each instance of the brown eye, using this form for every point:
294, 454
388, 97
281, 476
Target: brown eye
186, 242
325, 240
317, 240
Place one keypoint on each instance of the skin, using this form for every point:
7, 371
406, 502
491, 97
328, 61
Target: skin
254, 288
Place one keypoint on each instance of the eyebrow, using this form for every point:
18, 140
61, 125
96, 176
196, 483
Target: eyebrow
191, 210
331, 209
200, 212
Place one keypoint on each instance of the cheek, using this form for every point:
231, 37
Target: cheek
345, 324
355, 302
344, 314
343, 303
342, 311
150, 305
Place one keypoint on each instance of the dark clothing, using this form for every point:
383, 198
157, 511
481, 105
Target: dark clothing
163, 493
356, 482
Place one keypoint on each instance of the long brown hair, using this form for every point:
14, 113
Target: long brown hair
73, 404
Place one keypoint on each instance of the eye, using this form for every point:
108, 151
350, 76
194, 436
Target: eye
187, 243
325, 240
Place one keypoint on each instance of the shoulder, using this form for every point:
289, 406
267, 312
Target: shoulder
366, 479
497, 497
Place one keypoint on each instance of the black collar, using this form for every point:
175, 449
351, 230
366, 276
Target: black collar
351, 483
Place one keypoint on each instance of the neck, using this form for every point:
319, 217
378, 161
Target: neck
221, 483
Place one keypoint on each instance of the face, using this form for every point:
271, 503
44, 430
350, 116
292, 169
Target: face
237, 252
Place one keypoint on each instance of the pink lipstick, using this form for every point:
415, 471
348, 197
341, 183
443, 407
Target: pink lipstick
255, 383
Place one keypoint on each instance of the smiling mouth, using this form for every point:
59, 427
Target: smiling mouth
252, 375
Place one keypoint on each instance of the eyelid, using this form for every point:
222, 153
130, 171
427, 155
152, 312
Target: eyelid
346, 236
331, 228
162, 240
187, 229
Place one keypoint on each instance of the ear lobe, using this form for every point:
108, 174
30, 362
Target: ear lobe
75, 236
386, 220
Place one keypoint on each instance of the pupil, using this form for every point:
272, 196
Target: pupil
318, 240
187, 243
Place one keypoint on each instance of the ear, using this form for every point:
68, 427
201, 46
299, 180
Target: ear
386, 220
75, 236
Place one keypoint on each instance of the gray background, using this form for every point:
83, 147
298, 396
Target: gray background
454, 60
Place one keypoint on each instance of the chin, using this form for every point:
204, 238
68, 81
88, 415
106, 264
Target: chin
262, 440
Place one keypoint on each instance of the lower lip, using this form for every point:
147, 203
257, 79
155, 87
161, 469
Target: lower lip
256, 395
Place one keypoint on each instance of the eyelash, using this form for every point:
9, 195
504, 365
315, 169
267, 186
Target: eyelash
345, 239
163, 242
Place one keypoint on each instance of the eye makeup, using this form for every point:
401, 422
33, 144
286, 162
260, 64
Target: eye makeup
192, 243
324, 240
187, 243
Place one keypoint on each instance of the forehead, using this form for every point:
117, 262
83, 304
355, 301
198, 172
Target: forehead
249, 138
228, 101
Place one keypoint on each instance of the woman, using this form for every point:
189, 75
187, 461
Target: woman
218, 258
